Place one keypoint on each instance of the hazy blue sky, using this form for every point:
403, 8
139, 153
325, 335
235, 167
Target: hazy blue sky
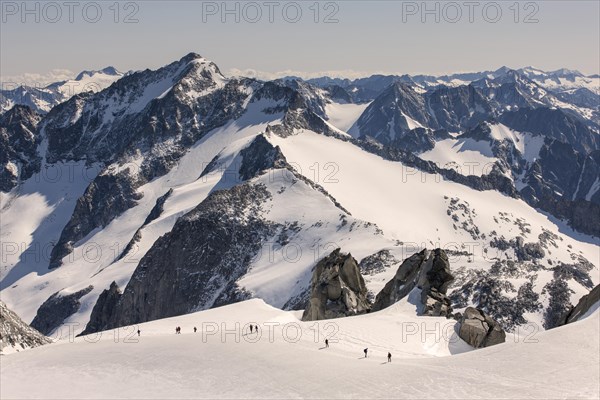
369, 37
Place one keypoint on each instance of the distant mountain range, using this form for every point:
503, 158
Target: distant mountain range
164, 192
42, 99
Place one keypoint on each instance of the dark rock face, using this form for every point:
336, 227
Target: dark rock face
435, 285
259, 156
560, 168
196, 265
107, 197
584, 305
158, 208
416, 140
376, 263
119, 120
363, 89
386, 118
16, 334
457, 108
562, 182
560, 311
103, 309
56, 309
495, 180
339, 94
479, 330
18, 146
513, 90
337, 289
156, 211
559, 305
582, 97
575, 212
454, 109
523, 251
426, 270
303, 107
553, 123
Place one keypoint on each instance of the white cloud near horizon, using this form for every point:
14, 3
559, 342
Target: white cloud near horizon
34, 79
265, 75
40, 80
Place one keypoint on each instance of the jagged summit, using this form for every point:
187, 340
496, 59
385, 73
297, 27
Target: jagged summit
191, 56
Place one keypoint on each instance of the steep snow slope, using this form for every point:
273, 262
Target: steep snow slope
387, 193
422, 210
95, 259
465, 155
316, 228
476, 155
344, 116
288, 360
34, 213
168, 108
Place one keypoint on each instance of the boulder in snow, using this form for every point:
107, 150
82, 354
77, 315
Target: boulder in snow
426, 270
479, 330
337, 289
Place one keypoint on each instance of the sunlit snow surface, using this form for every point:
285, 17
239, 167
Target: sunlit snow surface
288, 360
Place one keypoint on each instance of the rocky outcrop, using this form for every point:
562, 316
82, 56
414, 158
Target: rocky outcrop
585, 304
107, 197
15, 334
479, 330
103, 309
378, 262
337, 289
56, 309
394, 112
559, 167
426, 270
554, 123
156, 211
84, 127
195, 266
19, 140
161, 129
523, 251
495, 180
259, 156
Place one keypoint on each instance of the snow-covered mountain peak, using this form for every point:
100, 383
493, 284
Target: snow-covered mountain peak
104, 71
566, 72
189, 131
